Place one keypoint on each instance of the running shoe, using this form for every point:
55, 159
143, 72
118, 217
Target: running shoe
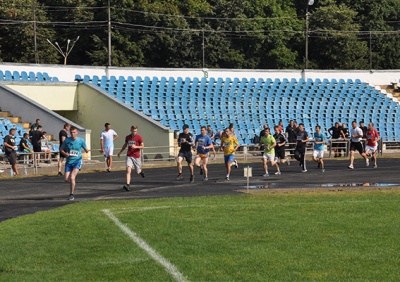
71, 197
351, 167
235, 164
191, 179
108, 169
375, 166
201, 171
142, 174
278, 173
266, 174
227, 178
179, 177
126, 187
322, 170
304, 170
367, 162
60, 174
288, 161
205, 179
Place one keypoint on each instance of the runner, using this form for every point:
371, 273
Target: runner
107, 138
185, 142
269, 143
318, 152
230, 144
280, 139
355, 144
300, 150
72, 149
203, 145
134, 142
373, 138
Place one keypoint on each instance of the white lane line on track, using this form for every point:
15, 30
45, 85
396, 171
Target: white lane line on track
169, 267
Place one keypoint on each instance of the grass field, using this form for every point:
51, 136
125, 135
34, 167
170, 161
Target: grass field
286, 237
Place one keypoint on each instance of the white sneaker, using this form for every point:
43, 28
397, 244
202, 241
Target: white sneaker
266, 174
71, 198
304, 170
375, 166
278, 172
351, 167
1, 171
367, 162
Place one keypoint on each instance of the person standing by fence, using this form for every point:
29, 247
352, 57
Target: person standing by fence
10, 149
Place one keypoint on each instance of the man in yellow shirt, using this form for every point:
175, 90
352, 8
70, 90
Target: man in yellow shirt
230, 144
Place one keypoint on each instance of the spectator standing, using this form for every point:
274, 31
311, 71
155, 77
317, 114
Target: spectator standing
356, 145
336, 133
291, 136
36, 137
364, 129
62, 135
135, 143
210, 133
34, 127
10, 150
72, 148
185, 142
107, 138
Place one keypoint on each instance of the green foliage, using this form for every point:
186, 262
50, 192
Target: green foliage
344, 34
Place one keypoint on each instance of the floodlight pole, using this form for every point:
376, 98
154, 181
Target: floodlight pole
109, 33
68, 49
309, 3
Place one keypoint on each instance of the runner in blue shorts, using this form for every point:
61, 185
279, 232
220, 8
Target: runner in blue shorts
72, 148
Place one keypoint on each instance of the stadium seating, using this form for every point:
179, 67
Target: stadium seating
27, 77
249, 103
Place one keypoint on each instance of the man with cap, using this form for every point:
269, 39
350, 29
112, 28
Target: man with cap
185, 142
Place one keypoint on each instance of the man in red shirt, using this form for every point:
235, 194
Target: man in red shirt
372, 142
134, 142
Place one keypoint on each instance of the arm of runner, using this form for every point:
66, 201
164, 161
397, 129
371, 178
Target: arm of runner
122, 149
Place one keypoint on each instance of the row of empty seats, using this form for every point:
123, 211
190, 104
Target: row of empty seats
26, 76
249, 103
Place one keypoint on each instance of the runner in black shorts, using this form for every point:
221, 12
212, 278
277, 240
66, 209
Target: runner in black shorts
280, 146
355, 145
186, 142
10, 149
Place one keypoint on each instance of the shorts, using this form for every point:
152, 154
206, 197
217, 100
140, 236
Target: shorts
203, 156
62, 155
12, 157
318, 154
26, 150
136, 163
108, 152
269, 157
37, 149
71, 166
229, 158
186, 155
280, 154
356, 146
373, 149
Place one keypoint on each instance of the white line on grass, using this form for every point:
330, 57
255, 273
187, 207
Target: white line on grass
171, 269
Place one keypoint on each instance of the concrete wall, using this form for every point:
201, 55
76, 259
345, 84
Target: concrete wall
67, 73
95, 108
29, 110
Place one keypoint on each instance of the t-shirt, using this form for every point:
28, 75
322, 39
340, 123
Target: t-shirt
23, 141
335, 132
35, 138
61, 134
10, 140
108, 138
372, 136
186, 141
291, 133
203, 141
356, 131
74, 149
345, 132
229, 144
268, 140
210, 132
301, 135
280, 139
133, 140
318, 138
